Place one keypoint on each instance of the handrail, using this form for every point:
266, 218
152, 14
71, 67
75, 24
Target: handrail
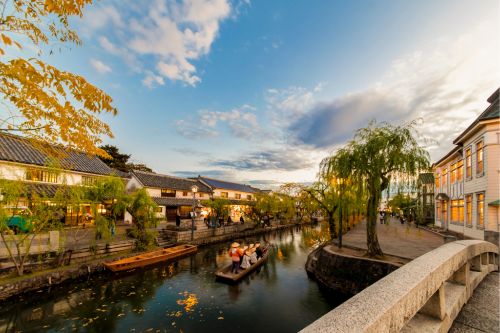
426, 294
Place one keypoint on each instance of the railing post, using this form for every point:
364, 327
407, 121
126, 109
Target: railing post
461, 276
435, 306
476, 264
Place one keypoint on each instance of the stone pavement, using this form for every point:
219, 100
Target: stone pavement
482, 311
396, 239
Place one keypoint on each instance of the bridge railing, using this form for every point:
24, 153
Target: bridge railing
424, 295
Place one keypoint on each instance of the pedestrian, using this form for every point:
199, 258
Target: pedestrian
112, 228
177, 219
229, 221
242, 220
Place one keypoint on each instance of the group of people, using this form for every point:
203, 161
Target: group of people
244, 256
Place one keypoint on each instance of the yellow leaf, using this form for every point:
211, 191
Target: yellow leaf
6, 40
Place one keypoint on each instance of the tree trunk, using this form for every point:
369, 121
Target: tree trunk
331, 225
372, 244
341, 231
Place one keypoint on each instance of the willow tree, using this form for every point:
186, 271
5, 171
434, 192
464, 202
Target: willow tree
38, 99
375, 155
325, 193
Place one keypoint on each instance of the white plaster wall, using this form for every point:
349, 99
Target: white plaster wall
232, 194
17, 171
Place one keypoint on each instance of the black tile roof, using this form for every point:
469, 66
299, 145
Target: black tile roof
189, 202
491, 112
426, 178
21, 150
221, 184
173, 201
157, 180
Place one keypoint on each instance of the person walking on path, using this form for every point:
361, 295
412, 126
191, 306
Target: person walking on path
177, 220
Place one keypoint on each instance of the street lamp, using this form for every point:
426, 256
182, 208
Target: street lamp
194, 189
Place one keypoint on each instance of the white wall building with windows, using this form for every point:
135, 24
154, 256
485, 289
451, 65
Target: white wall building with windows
467, 184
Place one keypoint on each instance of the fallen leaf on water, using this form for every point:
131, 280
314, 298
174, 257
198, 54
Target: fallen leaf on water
220, 318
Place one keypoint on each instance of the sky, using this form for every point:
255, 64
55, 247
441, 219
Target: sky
260, 91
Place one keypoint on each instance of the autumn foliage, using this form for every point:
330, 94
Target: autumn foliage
37, 99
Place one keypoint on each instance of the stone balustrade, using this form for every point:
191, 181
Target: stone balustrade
424, 295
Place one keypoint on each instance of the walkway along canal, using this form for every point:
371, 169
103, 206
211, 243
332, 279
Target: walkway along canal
183, 296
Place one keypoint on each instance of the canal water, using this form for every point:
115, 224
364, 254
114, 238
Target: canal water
183, 296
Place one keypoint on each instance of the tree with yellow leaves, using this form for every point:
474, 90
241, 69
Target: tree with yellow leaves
37, 99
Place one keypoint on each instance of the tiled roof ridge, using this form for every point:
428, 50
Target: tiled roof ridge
164, 175
44, 143
224, 181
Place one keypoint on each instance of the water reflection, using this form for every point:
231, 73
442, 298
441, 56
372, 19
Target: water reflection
183, 296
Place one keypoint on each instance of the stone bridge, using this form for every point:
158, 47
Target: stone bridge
425, 295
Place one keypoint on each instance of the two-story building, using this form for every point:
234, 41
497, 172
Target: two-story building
240, 196
45, 168
173, 195
467, 179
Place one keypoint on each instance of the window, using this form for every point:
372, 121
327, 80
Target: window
437, 180
438, 210
480, 210
468, 208
184, 194
457, 211
468, 163
453, 173
201, 195
159, 209
88, 181
444, 211
249, 197
165, 192
445, 175
41, 176
479, 157
224, 194
237, 196
460, 170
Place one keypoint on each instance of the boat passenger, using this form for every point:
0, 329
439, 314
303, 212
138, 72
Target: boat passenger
234, 253
253, 256
241, 252
246, 260
258, 250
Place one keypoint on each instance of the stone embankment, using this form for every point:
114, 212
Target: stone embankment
347, 271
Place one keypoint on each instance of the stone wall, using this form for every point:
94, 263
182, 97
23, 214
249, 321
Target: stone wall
46, 280
344, 273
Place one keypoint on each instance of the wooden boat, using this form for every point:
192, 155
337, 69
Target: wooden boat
226, 275
149, 258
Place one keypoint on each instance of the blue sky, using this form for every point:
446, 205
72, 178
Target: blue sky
260, 91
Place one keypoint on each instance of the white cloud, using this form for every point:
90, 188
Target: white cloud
241, 122
99, 66
175, 33
151, 80
445, 85
286, 105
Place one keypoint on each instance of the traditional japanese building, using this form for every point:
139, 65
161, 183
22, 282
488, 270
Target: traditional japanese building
467, 184
173, 195
44, 169
240, 196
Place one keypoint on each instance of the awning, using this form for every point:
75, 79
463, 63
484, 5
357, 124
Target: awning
442, 196
495, 203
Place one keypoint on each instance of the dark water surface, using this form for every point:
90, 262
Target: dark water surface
182, 296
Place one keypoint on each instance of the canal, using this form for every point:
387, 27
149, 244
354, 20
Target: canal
183, 296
